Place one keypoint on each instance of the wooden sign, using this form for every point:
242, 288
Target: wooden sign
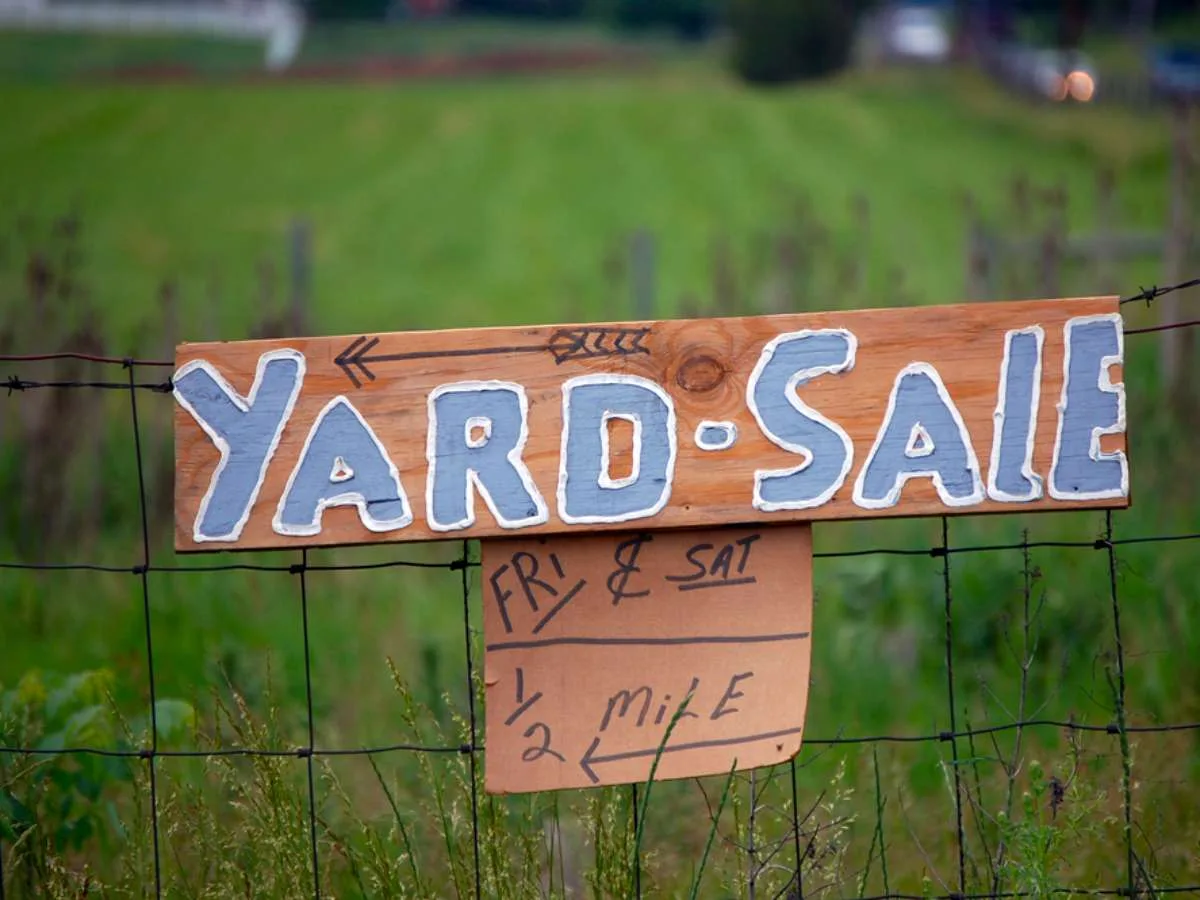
532, 431
593, 642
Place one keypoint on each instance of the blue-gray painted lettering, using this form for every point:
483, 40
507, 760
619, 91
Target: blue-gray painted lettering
342, 464
477, 434
246, 430
714, 435
583, 497
1091, 406
919, 399
787, 363
1011, 474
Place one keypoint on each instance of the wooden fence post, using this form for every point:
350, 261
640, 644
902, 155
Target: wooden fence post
979, 254
1176, 355
641, 274
300, 270
1104, 250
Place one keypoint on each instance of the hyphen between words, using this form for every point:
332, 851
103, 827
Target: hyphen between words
477, 432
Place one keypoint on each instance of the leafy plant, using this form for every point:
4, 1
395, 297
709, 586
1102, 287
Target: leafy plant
63, 793
1056, 813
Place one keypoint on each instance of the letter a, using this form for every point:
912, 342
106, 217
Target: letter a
922, 434
343, 463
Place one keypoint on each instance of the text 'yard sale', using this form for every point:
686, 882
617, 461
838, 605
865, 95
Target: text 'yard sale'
482, 432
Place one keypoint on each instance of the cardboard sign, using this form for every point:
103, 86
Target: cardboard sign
503, 431
593, 642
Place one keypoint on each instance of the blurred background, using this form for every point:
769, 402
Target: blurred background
227, 169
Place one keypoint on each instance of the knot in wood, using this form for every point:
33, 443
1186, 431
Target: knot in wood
700, 373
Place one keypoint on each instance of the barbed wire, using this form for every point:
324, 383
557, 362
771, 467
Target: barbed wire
145, 565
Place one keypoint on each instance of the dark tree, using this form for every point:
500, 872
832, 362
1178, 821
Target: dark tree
783, 40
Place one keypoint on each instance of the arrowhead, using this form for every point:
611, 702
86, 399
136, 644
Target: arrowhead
352, 358
346, 359
585, 760
360, 357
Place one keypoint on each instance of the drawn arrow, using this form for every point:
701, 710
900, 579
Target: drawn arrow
590, 759
564, 344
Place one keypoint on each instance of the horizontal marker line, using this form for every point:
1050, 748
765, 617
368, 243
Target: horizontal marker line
434, 354
727, 582
650, 642
694, 745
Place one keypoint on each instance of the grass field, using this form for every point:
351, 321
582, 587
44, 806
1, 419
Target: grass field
473, 203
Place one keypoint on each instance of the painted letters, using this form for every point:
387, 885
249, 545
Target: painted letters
1010, 475
477, 434
787, 362
941, 448
586, 492
343, 463
245, 429
814, 416
1091, 407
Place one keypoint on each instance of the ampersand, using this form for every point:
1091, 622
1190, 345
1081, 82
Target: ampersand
625, 556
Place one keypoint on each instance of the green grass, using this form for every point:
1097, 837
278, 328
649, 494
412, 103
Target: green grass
475, 203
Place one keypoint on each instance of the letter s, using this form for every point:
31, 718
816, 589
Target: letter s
788, 361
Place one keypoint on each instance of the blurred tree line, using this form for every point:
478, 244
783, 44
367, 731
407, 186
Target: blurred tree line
776, 40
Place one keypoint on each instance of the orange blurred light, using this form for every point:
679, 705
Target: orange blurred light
1081, 85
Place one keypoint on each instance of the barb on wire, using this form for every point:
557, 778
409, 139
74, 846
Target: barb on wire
1153, 292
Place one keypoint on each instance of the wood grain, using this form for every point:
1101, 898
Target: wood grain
703, 364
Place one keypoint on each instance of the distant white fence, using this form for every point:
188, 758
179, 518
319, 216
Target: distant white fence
278, 23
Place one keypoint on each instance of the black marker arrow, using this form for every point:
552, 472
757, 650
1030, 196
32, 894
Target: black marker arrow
564, 344
590, 759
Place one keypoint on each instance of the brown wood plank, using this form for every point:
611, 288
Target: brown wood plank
704, 366
584, 670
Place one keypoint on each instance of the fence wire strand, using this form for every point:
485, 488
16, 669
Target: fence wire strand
800, 835
307, 751
145, 578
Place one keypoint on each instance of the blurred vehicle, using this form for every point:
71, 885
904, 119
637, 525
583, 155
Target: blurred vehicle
907, 32
919, 33
1175, 71
1061, 76
1047, 73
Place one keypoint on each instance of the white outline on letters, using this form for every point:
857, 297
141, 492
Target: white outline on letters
731, 435
998, 418
912, 449
244, 404
606, 479
350, 498
892, 497
761, 475
340, 471
472, 481
1104, 382
484, 424
613, 378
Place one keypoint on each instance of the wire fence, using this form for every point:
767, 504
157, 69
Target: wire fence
1130, 877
